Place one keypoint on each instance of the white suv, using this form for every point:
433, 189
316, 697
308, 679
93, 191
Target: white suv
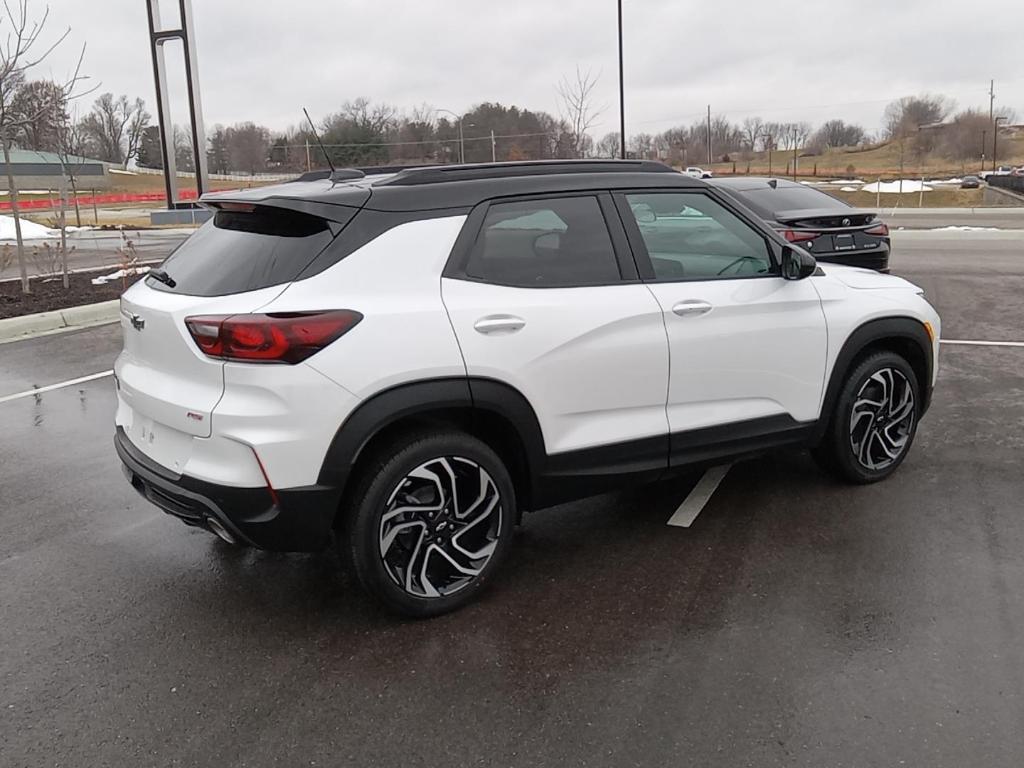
404, 362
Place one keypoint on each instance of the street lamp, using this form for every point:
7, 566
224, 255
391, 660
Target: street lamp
462, 141
995, 138
622, 95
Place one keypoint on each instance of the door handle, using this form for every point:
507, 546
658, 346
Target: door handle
691, 308
499, 324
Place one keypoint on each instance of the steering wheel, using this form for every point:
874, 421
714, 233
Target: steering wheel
740, 260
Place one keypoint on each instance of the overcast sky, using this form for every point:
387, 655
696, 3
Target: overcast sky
812, 60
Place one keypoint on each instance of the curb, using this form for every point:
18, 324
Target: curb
57, 321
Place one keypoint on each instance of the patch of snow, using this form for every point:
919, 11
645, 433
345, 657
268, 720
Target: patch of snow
85, 228
943, 181
118, 275
849, 189
123, 173
5, 193
895, 187
29, 230
846, 181
961, 228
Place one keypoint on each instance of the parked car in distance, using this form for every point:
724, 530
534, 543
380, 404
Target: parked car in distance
697, 173
1002, 170
402, 363
831, 229
970, 182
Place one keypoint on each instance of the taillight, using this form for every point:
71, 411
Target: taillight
881, 229
279, 337
796, 236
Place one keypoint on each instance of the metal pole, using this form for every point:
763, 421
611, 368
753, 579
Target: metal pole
494, 152
163, 109
709, 135
309, 164
984, 134
622, 94
462, 144
195, 105
995, 138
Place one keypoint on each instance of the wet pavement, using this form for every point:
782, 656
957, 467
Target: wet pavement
798, 622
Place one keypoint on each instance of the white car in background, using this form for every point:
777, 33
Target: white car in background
697, 173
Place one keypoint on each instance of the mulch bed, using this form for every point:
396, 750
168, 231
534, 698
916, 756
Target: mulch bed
49, 294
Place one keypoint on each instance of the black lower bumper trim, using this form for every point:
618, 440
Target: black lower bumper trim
301, 521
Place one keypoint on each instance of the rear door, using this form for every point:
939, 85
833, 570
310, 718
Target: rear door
545, 297
233, 264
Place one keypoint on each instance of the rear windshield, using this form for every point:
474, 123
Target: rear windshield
244, 251
767, 201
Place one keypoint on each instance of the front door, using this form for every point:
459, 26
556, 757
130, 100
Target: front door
747, 346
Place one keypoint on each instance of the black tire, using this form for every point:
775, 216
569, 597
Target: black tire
888, 427
376, 547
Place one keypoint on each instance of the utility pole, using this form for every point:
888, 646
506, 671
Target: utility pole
794, 152
622, 95
709, 135
309, 164
494, 153
995, 138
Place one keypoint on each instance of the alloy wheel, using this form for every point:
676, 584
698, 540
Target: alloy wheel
882, 419
440, 526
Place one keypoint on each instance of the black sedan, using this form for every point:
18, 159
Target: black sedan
826, 226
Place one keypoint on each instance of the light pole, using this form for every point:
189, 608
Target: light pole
622, 95
995, 137
462, 140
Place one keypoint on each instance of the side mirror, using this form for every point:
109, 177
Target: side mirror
797, 263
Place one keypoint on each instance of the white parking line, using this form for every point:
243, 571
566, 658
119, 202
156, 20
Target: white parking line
983, 343
51, 387
698, 497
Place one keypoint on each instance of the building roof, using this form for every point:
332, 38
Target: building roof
23, 156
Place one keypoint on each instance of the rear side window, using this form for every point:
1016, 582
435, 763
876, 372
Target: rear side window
558, 242
241, 251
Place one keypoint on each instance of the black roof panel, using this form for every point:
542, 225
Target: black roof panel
462, 186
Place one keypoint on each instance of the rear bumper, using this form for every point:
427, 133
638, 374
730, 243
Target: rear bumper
301, 521
873, 258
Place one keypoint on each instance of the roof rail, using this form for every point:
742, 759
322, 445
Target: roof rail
441, 173
348, 174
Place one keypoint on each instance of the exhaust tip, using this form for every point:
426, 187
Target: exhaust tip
215, 525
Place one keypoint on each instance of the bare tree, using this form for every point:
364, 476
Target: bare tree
608, 146
577, 107
22, 49
115, 127
753, 128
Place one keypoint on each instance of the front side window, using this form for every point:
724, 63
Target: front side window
558, 242
692, 237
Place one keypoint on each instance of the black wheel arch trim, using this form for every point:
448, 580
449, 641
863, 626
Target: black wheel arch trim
473, 396
873, 331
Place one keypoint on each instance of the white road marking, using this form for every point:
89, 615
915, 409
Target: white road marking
698, 497
983, 343
51, 387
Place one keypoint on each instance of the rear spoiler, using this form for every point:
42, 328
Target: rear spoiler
339, 213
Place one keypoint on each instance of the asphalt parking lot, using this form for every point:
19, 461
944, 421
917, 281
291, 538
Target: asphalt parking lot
797, 622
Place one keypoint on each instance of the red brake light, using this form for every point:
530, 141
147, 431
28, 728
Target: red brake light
280, 337
795, 236
881, 229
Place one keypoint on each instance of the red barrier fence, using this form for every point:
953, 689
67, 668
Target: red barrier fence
39, 201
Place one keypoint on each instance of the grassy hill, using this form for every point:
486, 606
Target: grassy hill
882, 161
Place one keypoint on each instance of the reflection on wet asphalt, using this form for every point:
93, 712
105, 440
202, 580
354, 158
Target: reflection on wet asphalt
798, 622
